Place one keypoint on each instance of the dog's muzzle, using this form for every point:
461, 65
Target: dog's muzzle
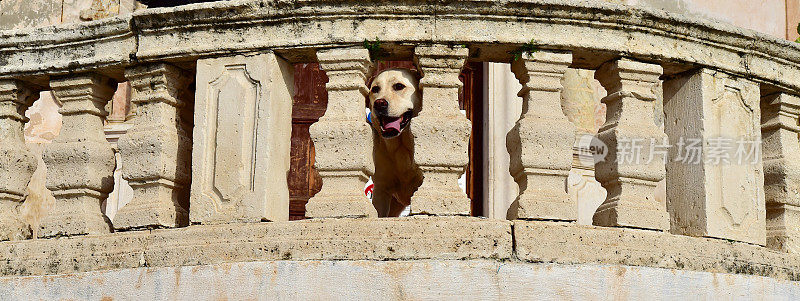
392, 126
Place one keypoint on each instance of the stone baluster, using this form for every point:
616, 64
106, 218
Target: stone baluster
719, 193
630, 171
17, 163
156, 151
781, 152
80, 162
541, 143
441, 133
343, 141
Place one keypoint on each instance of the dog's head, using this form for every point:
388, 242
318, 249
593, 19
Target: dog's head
394, 100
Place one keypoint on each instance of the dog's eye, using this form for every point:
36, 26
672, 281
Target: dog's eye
376, 89
399, 86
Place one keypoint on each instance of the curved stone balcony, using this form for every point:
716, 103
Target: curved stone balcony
208, 153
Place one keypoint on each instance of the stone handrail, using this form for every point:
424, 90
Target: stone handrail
239, 56
595, 32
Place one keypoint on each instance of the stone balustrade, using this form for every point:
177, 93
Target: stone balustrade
343, 141
541, 142
155, 150
80, 162
441, 132
214, 160
780, 130
18, 163
630, 176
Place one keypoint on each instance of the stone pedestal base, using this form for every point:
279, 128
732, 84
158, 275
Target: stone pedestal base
11, 226
783, 228
636, 208
343, 197
341, 156
547, 200
75, 215
440, 194
163, 211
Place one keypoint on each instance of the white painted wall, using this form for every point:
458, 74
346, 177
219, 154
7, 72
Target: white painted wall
505, 108
767, 16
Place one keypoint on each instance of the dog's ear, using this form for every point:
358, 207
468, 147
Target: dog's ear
370, 79
372, 73
416, 75
373, 69
369, 85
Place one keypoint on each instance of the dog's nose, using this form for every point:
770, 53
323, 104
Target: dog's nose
381, 106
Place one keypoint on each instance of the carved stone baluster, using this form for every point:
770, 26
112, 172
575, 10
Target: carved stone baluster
781, 150
343, 141
80, 162
631, 126
541, 143
441, 133
721, 194
156, 151
17, 163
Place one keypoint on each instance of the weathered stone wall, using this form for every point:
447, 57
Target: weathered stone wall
398, 280
16, 14
767, 16
792, 19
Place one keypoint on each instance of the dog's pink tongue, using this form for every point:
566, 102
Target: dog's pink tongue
395, 124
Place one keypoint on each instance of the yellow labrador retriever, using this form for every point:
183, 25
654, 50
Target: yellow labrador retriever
393, 101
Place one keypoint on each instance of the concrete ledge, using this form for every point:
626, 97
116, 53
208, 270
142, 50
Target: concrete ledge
103, 46
334, 239
569, 243
416, 238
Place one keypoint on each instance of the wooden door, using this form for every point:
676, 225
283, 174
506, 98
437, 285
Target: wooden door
471, 100
310, 101
309, 105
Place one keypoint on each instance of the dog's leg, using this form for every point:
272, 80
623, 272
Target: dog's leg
382, 201
396, 207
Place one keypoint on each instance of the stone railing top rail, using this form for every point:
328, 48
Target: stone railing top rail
593, 30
